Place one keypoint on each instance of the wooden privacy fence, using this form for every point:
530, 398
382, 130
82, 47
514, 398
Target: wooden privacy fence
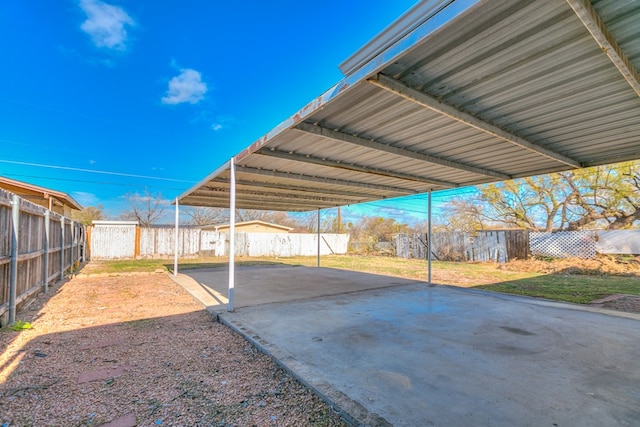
118, 240
499, 246
505, 245
37, 246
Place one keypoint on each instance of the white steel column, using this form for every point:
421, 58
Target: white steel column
232, 232
318, 237
175, 245
429, 238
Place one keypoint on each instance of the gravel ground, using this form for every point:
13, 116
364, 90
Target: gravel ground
137, 350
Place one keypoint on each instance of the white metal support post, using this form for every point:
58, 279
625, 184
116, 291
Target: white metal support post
175, 244
429, 238
232, 232
13, 267
319, 237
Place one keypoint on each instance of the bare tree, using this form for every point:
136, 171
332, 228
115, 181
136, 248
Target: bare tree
206, 216
146, 208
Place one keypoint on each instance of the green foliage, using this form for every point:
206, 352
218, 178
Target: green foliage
601, 197
88, 215
21, 325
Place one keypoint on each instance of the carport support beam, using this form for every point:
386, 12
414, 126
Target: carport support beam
318, 237
232, 232
175, 245
429, 238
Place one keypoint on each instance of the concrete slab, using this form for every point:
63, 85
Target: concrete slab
258, 285
410, 355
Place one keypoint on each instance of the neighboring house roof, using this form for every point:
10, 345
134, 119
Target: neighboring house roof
249, 223
40, 195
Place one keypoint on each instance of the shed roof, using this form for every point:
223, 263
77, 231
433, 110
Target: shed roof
36, 193
453, 94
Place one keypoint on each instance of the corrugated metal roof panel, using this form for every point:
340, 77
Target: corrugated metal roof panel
503, 89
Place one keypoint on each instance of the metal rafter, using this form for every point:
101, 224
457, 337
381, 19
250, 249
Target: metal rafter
400, 88
268, 196
600, 33
254, 204
352, 167
331, 190
324, 180
369, 143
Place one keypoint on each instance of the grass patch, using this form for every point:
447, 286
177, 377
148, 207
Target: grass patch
581, 289
124, 266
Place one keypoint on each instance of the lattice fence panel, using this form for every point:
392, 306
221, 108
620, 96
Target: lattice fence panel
564, 244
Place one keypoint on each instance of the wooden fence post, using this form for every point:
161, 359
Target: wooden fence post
13, 272
136, 247
45, 267
62, 249
88, 248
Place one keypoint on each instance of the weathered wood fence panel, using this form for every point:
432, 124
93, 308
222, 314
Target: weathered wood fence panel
455, 246
37, 246
505, 245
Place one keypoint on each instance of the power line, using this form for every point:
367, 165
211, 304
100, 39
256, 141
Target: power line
87, 182
128, 175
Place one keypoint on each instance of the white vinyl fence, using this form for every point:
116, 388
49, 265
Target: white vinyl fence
123, 241
289, 244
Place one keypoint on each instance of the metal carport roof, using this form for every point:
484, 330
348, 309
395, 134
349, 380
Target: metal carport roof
452, 94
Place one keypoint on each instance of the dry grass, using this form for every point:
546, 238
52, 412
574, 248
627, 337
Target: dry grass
139, 350
602, 265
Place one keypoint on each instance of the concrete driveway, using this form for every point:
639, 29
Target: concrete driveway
397, 352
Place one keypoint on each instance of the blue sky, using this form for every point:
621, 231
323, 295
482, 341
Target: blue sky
158, 94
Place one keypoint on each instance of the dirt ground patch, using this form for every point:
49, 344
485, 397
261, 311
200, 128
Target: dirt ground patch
137, 350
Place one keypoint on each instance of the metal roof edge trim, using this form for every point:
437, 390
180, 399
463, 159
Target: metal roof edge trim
376, 64
408, 21
203, 181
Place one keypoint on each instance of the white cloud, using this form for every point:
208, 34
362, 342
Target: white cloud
106, 24
222, 122
186, 87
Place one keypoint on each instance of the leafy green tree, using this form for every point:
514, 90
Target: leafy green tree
89, 214
604, 197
